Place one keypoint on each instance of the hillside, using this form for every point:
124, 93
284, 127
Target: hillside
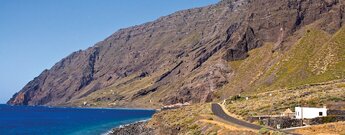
310, 73
313, 44
200, 55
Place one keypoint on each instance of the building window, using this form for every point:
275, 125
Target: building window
320, 114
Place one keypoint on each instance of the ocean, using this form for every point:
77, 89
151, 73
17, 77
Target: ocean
26, 120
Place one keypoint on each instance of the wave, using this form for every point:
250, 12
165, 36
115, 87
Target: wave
124, 125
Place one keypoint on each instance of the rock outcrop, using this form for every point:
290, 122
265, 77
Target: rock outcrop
139, 128
185, 53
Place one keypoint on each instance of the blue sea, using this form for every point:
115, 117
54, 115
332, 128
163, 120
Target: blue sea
25, 120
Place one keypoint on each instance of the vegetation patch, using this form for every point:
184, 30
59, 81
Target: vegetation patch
275, 102
337, 128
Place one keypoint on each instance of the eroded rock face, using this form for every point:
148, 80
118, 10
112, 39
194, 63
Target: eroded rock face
187, 48
202, 87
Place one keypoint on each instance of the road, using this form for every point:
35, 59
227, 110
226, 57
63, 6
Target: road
218, 111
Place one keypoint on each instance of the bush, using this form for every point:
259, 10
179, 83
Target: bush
264, 131
193, 127
336, 99
213, 133
194, 132
261, 123
237, 97
328, 119
312, 103
278, 133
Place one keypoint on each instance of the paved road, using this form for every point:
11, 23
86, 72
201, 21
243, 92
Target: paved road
218, 111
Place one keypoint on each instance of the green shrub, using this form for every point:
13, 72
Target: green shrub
261, 123
213, 133
312, 103
236, 98
278, 133
328, 119
194, 132
193, 127
336, 99
264, 131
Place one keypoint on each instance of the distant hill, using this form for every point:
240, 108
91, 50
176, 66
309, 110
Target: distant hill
200, 55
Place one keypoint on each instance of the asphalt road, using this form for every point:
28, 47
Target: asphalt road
218, 111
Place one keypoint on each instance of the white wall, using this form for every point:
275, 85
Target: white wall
309, 113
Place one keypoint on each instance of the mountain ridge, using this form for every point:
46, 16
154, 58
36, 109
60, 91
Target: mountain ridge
178, 58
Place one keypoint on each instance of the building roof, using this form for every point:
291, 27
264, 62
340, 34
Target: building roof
287, 111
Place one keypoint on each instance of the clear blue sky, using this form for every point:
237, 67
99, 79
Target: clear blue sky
36, 34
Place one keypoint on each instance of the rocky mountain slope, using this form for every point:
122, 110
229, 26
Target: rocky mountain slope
197, 55
284, 91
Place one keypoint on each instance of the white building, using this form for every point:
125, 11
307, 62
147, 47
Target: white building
310, 113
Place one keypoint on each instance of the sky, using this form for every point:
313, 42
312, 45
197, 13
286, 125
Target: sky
36, 34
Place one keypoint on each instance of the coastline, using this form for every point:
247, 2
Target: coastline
79, 107
138, 127
140, 121
110, 132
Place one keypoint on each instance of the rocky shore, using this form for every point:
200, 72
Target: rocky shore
138, 128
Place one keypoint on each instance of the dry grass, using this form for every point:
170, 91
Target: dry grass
225, 125
274, 102
185, 119
337, 128
221, 128
195, 119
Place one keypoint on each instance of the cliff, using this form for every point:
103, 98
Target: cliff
182, 57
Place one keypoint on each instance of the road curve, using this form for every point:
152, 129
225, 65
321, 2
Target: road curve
218, 111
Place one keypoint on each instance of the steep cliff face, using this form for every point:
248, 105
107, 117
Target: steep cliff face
181, 57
